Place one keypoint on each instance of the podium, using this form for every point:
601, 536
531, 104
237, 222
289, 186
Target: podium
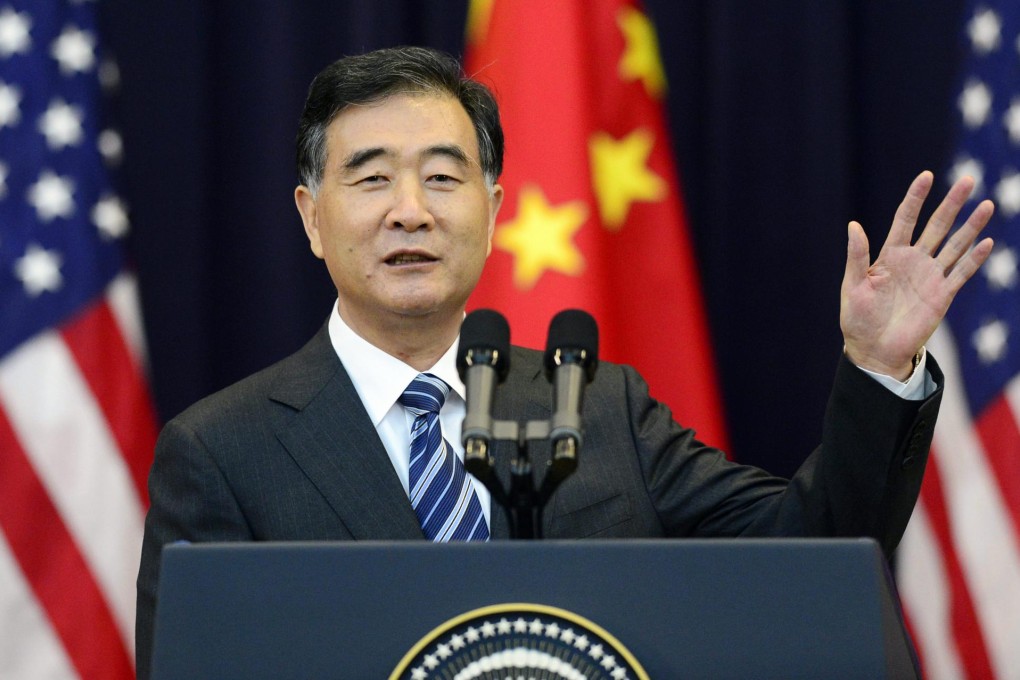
678, 609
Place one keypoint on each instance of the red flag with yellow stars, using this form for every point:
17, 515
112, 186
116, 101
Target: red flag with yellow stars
593, 217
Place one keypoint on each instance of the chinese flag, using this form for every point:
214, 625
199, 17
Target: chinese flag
593, 217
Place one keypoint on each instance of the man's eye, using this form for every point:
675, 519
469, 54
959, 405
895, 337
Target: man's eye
442, 179
372, 179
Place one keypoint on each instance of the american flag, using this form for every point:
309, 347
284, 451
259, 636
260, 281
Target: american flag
959, 563
76, 423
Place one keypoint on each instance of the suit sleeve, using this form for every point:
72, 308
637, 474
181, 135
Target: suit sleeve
191, 501
863, 480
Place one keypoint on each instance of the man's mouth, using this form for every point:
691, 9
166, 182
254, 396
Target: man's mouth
409, 258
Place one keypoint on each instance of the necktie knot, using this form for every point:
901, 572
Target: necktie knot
425, 394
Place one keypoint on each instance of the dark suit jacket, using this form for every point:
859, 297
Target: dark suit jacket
290, 454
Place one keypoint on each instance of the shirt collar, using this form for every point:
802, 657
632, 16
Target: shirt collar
381, 378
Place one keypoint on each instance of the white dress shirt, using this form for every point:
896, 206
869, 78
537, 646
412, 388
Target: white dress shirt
381, 378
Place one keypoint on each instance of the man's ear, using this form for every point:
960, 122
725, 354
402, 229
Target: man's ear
495, 201
305, 202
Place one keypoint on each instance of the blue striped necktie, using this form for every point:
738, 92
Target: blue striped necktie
441, 493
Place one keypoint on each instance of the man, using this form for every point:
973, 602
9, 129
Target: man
399, 158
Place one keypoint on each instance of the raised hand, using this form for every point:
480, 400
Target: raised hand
889, 309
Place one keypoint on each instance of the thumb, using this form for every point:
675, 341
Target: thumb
857, 255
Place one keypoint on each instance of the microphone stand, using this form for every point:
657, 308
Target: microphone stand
571, 356
523, 503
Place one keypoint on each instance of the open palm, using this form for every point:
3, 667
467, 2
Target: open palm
890, 308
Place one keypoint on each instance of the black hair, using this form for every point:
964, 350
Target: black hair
374, 76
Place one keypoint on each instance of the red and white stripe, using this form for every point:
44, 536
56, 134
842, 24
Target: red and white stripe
76, 434
959, 562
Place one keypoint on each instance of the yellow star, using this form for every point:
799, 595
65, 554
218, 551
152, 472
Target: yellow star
540, 237
621, 174
479, 13
641, 53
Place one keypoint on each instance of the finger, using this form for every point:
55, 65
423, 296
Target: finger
858, 259
908, 211
968, 265
945, 215
960, 242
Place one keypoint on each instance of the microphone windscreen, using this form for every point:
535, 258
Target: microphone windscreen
572, 329
484, 329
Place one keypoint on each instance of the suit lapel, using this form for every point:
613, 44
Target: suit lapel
333, 440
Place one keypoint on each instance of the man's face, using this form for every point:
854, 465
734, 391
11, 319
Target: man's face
403, 218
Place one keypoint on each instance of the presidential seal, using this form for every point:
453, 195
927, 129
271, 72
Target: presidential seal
519, 642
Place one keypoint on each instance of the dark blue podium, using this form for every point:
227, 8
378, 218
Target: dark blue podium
682, 609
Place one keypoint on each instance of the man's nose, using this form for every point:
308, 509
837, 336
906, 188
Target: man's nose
410, 210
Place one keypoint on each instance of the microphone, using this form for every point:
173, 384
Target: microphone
571, 357
483, 361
